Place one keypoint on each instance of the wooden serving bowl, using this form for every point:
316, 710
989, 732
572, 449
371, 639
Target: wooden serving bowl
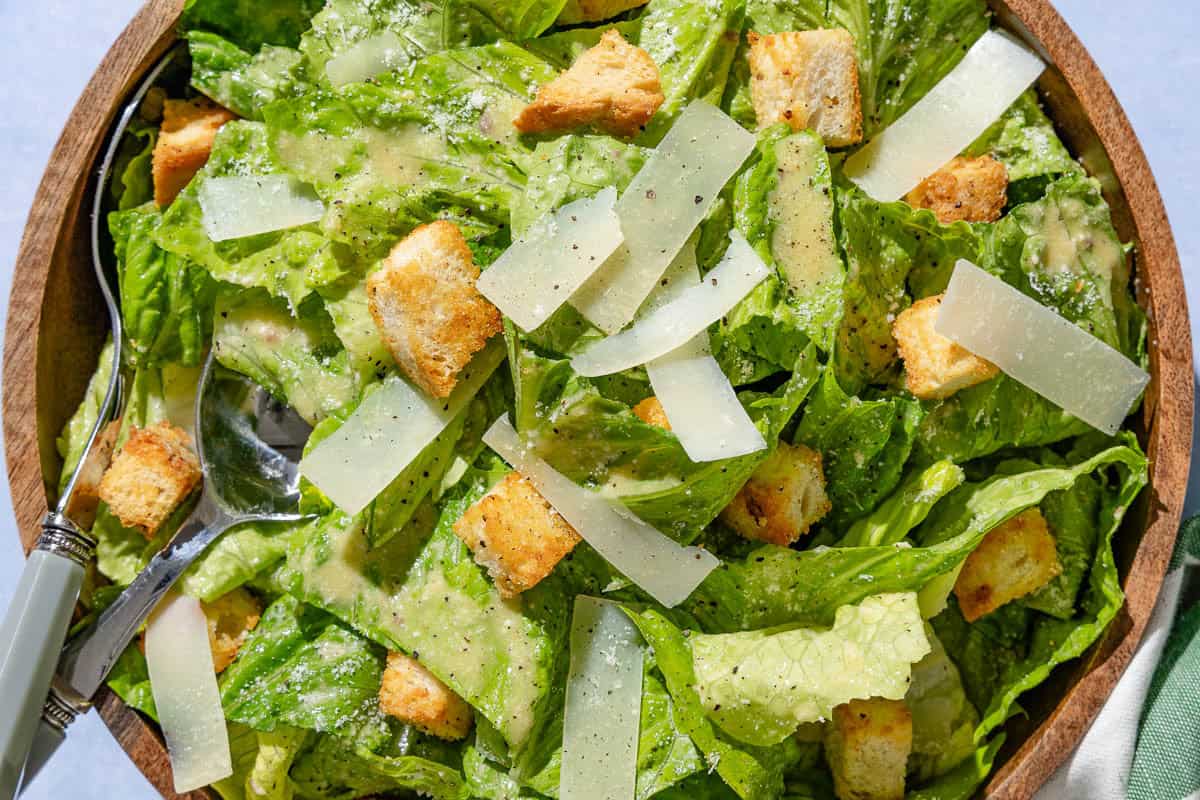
56, 325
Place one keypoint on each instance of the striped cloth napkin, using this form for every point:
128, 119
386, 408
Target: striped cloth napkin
1145, 744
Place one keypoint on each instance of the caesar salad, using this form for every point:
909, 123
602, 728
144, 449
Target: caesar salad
708, 399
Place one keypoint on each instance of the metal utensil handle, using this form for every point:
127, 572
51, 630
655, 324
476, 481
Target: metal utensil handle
32, 635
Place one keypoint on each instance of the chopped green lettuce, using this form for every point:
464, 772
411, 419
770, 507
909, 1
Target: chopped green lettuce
261, 761
75, 434
166, 301
759, 686
250, 24
864, 445
906, 508
243, 82
134, 184
943, 719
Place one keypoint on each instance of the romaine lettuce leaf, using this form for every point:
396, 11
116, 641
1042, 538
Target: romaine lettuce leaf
287, 263
240, 555
251, 24
261, 761
906, 508
752, 772
166, 301
1014, 649
864, 445
1024, 141
298, 359
500, 654
1071, 516
134, 184
334, 770
759, 686
778, 203
774, 586
943, 720
243, 82
129, 679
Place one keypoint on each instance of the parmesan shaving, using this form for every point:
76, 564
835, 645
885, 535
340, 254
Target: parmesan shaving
602, 718
387, 432
678, 321
238, 206
666, 570
372, 56
699, 401
179, 660
544, 267
992, 75
666, 201
1040, 349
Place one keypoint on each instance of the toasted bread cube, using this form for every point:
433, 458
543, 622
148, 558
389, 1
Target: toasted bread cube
427, 309
577, 11
651, 412
971, 189
516, 535
867, 744
613, 86
231, 617
413, 694
783, 498
935, 367
184, 144
808, 79
86, 498
1013, 560
154, 472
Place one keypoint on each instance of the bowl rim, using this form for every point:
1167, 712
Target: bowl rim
1168, 409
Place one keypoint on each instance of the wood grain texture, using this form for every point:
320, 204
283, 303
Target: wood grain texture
56, 327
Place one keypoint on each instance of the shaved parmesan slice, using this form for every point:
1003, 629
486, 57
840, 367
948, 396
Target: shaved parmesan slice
678, 321
702, 406
387, 431
547, 264
1035, 346
238, 206
184, 684
372, 56
666, 570
699, 401
667, 199
602, 718
943, 123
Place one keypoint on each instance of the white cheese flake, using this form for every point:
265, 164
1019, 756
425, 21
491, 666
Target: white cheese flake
665, 569
602, 718
678, 321
666, 201
992, 75
363, 60
1039, 348
545, 266
184, 683
697, 397
237, 206
388, 431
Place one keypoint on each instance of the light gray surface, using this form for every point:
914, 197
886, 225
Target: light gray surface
48, 50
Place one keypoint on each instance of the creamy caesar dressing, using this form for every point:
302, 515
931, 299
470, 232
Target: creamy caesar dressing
801, 208
1073, 245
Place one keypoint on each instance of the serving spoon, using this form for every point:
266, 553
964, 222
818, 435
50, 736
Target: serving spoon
250, 447
36, 622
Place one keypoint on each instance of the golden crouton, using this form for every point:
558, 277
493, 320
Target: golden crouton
154, 472
231, 617
783, 498
1013, 560
516, 535
184, 144
86, 498
867, 745
808, 79
971, 189
577, 11
651, 412
413, 694
935, 367
427, 308
614, 86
